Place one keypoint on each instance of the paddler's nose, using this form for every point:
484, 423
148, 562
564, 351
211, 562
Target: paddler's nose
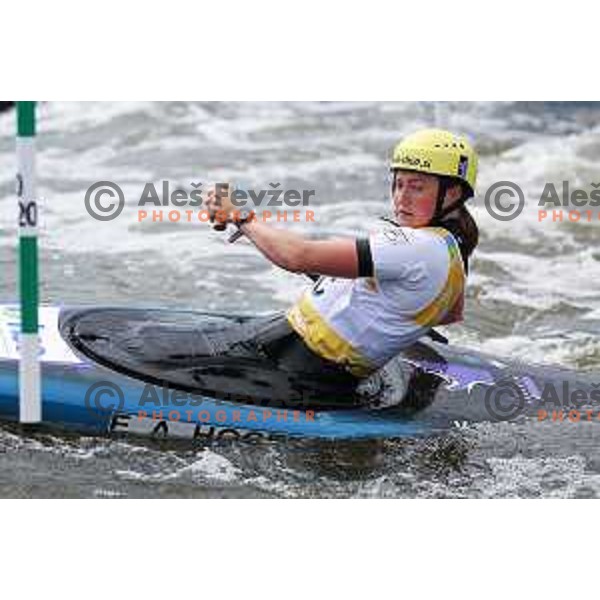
402, 198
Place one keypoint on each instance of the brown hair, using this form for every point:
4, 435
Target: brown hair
464, 228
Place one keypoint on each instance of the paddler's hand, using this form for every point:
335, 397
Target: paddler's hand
220, 207
222, 211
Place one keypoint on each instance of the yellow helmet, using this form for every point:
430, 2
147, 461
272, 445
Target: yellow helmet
438, 152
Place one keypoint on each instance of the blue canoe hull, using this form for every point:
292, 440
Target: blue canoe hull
82, 396
66, 403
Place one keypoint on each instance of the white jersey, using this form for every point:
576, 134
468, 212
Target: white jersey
418, 282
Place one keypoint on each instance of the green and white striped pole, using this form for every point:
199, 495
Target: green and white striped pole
30, 404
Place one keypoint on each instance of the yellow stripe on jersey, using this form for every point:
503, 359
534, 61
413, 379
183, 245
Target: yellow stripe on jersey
324, 341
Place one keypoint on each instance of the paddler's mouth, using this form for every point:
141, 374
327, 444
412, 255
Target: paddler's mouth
403, 214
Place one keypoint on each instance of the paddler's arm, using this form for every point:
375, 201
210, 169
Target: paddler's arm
296, 253
348, 258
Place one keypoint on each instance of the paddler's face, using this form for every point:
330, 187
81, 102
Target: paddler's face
414, 198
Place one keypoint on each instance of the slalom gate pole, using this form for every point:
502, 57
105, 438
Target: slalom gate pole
30, 404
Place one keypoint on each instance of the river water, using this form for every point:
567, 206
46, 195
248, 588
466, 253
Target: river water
534, 288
